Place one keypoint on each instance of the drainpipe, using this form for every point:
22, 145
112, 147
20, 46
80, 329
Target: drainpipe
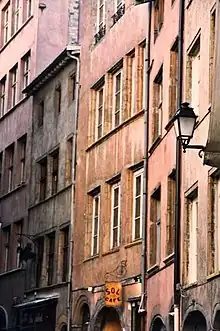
143, 305
177, 247
73, 189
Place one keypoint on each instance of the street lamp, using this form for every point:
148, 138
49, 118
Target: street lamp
184, 123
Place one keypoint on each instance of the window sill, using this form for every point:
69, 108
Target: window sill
153, 270
113, 131
112, 251
6, 273
16, 33
50, 197
93, 257
45, 287
9, 111
19, 186
155, 144
191, 285
134, 243
169, 259
213, 275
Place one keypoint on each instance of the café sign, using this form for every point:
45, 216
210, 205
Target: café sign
113, 294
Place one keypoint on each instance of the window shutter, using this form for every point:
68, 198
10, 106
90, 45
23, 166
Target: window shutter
211, 225
186, 244
170, 215
153, 235
155, 121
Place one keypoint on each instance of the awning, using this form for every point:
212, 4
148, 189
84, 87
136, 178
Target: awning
212, 150
37, 302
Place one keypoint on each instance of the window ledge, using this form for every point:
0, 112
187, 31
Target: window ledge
134, 243
45, 287
213, 275
19, 186
9, 111
16, 33
50, 197
93, 257
112, 251
169, 259
113, 131
191, 285
155, 144
6, 273
153, 270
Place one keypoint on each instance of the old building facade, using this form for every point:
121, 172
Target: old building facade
32, 35
110, 147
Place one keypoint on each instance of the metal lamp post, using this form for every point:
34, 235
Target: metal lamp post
184, 123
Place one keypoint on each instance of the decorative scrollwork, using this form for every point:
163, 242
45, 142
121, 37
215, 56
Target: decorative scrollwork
119, 272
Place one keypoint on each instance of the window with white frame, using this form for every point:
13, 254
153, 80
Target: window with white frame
2, 95
133, 84
13, 86
29, 8
157, 105
26, 69
18, 229
117, 98
5, 16
137, 204
192, 216
16, 15
99, 112
95, 225
115, 216
100, 14
6, 239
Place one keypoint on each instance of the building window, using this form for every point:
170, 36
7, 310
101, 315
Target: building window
100, 14
119, 10
65, 233
157, 105
95, 225
137, 204
133, 84
6, 240
18, 233
158, 17
72, 87
211, 53
2, 92
43, 179
57, 99
55, 171
40, 255
191, 236
173, 79
117, 98
213, 224
16, 16
5, 15
13, 86
40, 114
9, 159
22, 158
155, 228
51, 254
29, 8
26, 69
99, 112
193, 76
115, 216
171, 199
69, 161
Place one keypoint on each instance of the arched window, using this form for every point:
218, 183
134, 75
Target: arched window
3, 319
85, 317
64, 328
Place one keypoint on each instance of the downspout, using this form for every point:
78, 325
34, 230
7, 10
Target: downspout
143, 305
73, 188
177, 247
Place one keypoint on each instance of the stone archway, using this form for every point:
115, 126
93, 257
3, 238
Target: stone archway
195, 321
157, 324
107, 320
3, 319
216, 324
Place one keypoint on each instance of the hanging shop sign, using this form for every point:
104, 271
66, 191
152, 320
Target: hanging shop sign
113, 294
